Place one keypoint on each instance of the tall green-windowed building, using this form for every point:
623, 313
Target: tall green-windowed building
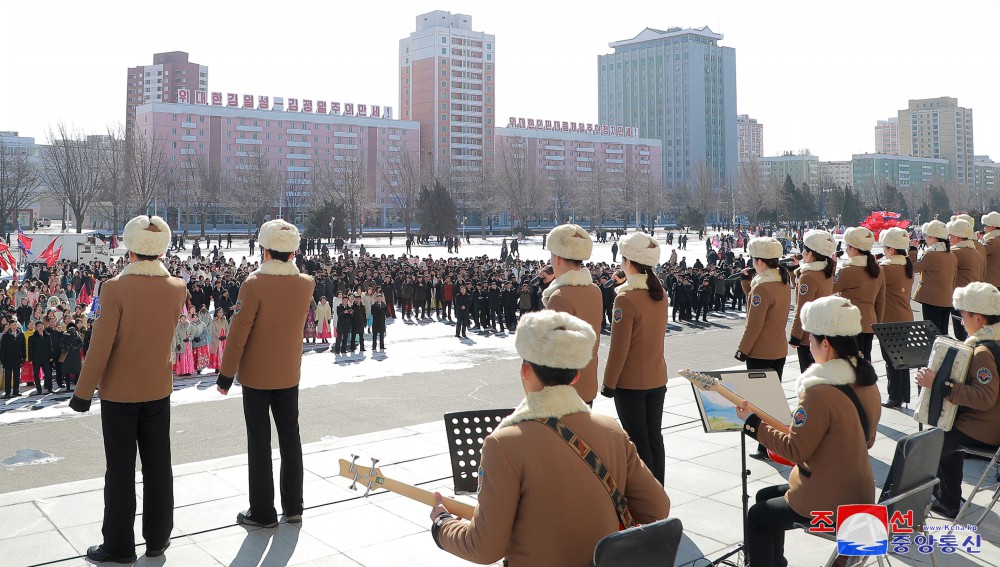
908, 174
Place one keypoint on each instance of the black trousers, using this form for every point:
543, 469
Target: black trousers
462, 327
949, 491
342, 336
865, 345
146, 426
956, 321
496, 317
805, 357
378, 337
359, 335
45, 370
510, 317
284, 406
447, 309
937, 315
767, 522
55, 365
898, 385
12, 380
641, 414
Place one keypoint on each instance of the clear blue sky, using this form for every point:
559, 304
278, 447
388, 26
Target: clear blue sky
817, 74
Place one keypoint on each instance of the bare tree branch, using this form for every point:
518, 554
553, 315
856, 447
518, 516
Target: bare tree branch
72, 169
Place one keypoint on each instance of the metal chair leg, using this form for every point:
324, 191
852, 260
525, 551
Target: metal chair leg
982, 479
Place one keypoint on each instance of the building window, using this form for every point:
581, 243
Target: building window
444, 51
444, 39
489, 46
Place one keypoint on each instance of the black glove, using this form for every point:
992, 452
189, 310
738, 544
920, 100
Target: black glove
224, 382
740, 356
439, 522
751, 427
607, 392
79, 404
795, 342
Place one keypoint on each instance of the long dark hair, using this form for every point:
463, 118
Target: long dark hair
774, 264
831, 264
652, 282
846, 347
909, 264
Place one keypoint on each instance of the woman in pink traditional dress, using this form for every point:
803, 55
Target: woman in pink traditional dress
199, 341
323, 314
217, 333
184, 364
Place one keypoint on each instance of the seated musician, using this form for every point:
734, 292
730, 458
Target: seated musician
831, 432
540, 503
978, 421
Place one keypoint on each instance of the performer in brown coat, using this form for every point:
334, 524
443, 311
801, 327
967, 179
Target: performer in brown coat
573, 291
937, 270
264, 350
636, 371
860, 281
898, 272
812, 279
975, 238
540, 504
971, 264
991, 247
978, 423
832, 430
129, 361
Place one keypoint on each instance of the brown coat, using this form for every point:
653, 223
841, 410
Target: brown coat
638, 327
540, 504
897, 294
992, 253
826, 441
808, 286
582, 298
971, 266
767, 315
937, 277
265, 336
133, 337
980, 398
855, 284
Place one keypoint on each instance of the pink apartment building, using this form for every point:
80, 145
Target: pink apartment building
295, 142
160, 82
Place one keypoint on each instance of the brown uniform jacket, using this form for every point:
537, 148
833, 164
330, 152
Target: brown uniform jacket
808, 286
826, 441
638, 327
540, 504
575, 293
133, 337
854, 283
992, 253
767, 315
897, 294
980, 418
265, 336
971, 266
937, 277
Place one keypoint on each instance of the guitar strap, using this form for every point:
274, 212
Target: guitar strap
583, 450
862, 415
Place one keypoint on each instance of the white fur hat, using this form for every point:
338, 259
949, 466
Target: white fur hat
895, 237
149, 236
977, 297
821, 242
991, 219
935, 228
859, 237
966, 218
765, 248
960, 228
555, 339
640, 248
570, 241
279, 236
831, 316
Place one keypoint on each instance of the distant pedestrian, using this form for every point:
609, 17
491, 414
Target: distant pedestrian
614, 252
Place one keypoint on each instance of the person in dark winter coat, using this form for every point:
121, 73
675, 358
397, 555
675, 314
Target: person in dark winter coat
614, 252
509, 297
358, 322
463, 311
496, 306
407, 296
482, 301
12, 352
379, 311
71, 344
345, 326
40, 356
420, 298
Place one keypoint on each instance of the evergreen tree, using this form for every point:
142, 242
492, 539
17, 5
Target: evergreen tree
851, 214
436, 210
939, 204
924, 212
317, 224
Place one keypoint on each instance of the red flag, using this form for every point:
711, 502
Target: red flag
3, 263
53, 257
48, 251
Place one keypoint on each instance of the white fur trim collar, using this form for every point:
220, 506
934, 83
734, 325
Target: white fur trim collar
861, 260
152, 268
579, 278
634, 281
963, 244
277, 268
990, 236
812, 267
897, 260
552, 401
987, 333
768, 276
834, 373
936, 247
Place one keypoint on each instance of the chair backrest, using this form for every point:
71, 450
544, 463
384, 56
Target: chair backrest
650, 545
466, 431
914, 465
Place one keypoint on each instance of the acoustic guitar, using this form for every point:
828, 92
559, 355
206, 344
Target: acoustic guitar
373, 479
706, 382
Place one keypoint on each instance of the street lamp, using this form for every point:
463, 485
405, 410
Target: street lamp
332, 220
463, 226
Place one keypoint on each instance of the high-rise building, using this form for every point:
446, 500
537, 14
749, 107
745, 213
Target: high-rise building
887, 136
802, 169
447, 84
835, 174
910, 175
160, 82
677, 85
939, 128
987, 175
751, 138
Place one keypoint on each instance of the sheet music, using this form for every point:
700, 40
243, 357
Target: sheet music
760, 387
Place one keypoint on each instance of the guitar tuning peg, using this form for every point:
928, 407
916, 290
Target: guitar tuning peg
354, 485
371, 485
374, 462
353, 459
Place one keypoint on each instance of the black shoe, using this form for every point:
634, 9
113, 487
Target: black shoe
892, 404
157, 552
99, 554
244, 518
942, 510
39, 392
760, 455
464, 336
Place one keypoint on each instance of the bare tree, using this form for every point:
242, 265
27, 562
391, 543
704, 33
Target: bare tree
204, 180
649, 197
600, 193
517, 178
114, 200
72, 169
355, 190
254, 188
752, 196
147, 164
19, 183
563, 191
482, 194
401, 174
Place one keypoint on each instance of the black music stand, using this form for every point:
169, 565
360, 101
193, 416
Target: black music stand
908, 344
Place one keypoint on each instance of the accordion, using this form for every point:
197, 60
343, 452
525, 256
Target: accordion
950, 360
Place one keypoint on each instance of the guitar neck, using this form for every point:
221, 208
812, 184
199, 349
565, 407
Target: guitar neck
738, 400
460, 509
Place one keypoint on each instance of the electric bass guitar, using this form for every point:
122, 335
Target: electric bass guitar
706, 382
373, 479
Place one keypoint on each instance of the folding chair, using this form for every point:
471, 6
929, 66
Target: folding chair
651, 545
993, 458
466, 431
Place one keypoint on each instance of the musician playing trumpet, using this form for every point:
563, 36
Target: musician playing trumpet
978, 426
832, 429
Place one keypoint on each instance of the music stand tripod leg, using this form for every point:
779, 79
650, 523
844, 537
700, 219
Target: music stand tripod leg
745, 473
